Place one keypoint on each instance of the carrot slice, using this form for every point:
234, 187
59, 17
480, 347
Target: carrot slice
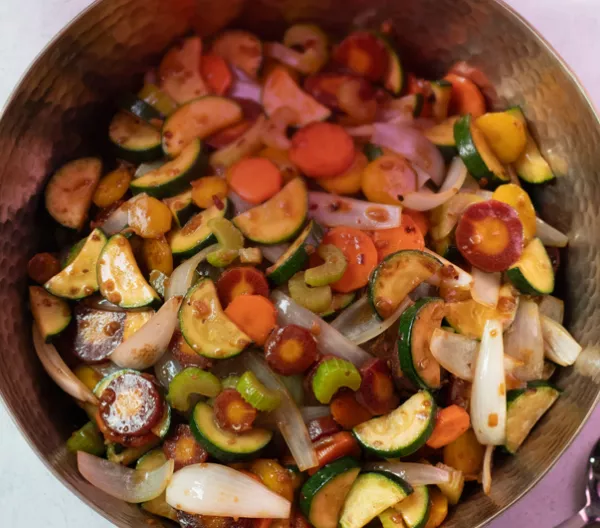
253, 314
255, 179
407, 236
333, 447
466, 96
419, 218
322, 150
216, 73
451, 423
360, 252
347, 412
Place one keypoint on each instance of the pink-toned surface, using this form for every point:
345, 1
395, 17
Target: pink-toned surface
30, 496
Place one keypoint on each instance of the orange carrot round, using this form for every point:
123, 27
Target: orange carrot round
407, 236
333, 447
466, 96
253, 314
360, 252
255, 179
347, 411
216, 73
419, 218
451, 423
322, 150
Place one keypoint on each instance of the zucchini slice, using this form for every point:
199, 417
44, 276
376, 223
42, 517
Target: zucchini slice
390, 518
394, 78
204, 325
371, 494
278, 219
139, 108
120, 279
133, 139
182, 207
401, 432
51, 314
224, 445
415, 508
524, 408
296, 256
469, 317
157, 506
396, 276
532, 273
175, 176
372, 151
414, 358
531, 165
198, 119
78, 279
323, 494
482, 163
195, 234
69, 192
442, 92
280, 89
442, 136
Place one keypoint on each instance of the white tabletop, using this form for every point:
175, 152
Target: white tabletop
31, 496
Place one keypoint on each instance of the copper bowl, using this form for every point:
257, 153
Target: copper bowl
60, 110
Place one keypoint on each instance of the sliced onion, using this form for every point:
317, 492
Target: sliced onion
182, 277
121, 482
58, 370
166, 368
486, 287
553, 308
239, 204
329, 340
221, 491
416, 474
413, 145
458, 354
423, 290
360, 324
272, 253
117, 221
315, 412
287, 416
486, 474
106, 369
559, 345
144, 348
524, 341
332, 210
425, 200
461, 280
245, 87
488, 394
549, 235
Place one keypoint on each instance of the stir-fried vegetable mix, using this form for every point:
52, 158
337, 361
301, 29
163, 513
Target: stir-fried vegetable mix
308, 289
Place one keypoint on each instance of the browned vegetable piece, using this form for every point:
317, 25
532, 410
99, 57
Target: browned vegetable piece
124, 440
376, 391
131, 404
465, 453
190, 520
320, 427
156, 255
181, 446
186, 355
274, 476
42, 267
290, 349
364, 54
96, 333
241, 280
233, 413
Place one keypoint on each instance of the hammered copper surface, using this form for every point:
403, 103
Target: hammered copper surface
61, 109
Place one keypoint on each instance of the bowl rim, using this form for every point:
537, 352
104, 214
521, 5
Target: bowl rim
517, 18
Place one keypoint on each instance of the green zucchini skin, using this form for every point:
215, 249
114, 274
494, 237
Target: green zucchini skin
139, 108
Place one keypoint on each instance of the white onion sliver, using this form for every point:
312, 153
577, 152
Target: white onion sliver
524, 341
144, 348
549, 235
217, 490
552, 307
244, 87
182, 277
332, 210
486, 474
416, 474
272, 253
488, 393
166, 368
463, 279
121, 482
58, 370
358, 312
329, 340
314, 412
413, 145
559, 345
424, 200
486, 287
117, 221
287, 416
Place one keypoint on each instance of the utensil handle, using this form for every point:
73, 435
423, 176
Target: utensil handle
578, 520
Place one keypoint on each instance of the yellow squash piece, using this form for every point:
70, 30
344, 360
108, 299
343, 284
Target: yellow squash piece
504, 133
519, 200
